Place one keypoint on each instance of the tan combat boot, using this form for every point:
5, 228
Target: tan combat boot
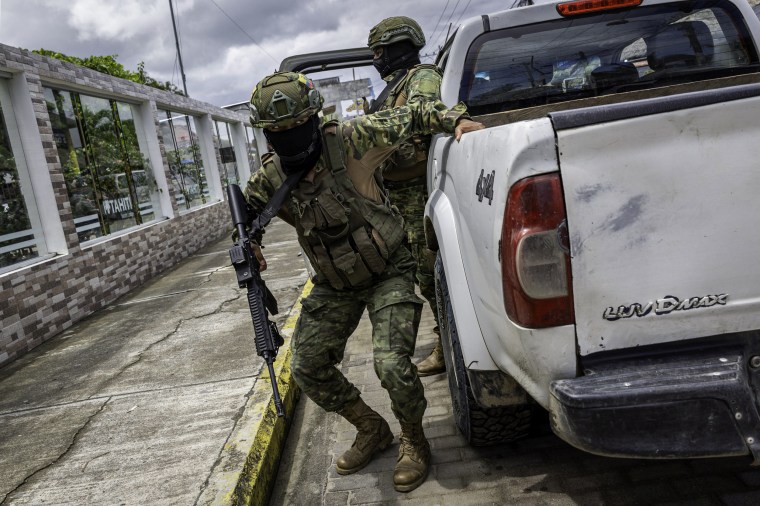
373, 435
434, 364
413, 458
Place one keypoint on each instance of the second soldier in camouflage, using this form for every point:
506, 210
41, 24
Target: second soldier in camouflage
396, 42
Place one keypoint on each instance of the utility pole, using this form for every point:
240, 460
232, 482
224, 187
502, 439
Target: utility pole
179, 53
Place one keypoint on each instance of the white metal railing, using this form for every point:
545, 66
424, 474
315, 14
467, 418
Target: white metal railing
88, 222
20, 244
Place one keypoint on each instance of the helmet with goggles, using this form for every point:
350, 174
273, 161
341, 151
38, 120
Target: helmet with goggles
396, 29
283, 100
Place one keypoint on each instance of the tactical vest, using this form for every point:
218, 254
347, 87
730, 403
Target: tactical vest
347, 237
410, 160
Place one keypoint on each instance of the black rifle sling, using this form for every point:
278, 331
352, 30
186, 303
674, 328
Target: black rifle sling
274, 204
263, 219
334, 149
379, 101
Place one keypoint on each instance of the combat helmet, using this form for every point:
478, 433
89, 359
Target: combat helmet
396, 29
283, 100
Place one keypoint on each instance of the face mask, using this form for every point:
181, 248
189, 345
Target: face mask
401, 55
299, 147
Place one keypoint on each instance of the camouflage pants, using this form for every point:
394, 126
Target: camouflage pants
411, 203
330, 316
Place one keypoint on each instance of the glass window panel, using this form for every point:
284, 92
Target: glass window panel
621, 50
142, 181
108, 162
253, 154
228, 169
19, 239
109, 180
188, 176
67, 134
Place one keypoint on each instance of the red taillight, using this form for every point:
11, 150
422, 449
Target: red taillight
535, 260
586, 6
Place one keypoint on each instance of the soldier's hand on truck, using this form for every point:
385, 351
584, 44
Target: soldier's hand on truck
466, 125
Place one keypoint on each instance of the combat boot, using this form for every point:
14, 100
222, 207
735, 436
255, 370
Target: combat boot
413, 458
434, 364
374, 434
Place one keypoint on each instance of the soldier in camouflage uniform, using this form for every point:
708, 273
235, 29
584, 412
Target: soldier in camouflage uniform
353, 239
396, 42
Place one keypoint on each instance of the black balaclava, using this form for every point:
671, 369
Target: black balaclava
397, 56
299, 147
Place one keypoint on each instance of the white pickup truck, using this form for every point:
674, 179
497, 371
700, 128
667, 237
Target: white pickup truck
599, 243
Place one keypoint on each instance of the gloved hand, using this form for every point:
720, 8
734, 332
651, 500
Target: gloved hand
258, 255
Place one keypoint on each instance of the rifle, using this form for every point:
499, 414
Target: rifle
260, 300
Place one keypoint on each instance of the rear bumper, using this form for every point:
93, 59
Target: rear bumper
677, 405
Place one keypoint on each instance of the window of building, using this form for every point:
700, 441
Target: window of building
228, 169
250, 147
20, 227
108, 177
188, 176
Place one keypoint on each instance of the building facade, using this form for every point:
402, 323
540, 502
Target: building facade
345, 98
103, 184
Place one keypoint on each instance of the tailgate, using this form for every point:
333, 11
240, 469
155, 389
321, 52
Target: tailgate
663, 213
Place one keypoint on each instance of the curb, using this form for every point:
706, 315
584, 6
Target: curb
251, 456
256, 480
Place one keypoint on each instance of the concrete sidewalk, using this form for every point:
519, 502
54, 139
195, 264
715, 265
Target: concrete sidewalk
307, 470
157, 399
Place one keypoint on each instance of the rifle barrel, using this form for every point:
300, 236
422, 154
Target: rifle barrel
277, 399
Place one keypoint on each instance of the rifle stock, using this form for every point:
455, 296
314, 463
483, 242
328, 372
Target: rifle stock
260, 300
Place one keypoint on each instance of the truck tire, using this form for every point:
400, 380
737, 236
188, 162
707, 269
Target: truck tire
480, 426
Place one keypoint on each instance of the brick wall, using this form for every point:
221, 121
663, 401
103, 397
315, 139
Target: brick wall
39, 301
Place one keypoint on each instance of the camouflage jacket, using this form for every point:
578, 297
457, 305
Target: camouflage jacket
368, 141
345, 225
422, 83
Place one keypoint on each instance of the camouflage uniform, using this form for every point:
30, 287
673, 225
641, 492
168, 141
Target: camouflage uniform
329, 317
405, 174
331, 314
396, 43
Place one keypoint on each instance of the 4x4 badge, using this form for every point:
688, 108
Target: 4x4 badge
485, 186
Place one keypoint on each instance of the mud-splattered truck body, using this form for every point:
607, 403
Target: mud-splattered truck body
598, 242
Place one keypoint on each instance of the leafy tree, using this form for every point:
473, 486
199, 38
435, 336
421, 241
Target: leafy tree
108, 65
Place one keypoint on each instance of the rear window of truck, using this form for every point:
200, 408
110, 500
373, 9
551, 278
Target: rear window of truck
603, 53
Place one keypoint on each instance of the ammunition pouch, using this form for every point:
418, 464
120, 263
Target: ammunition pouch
347, 238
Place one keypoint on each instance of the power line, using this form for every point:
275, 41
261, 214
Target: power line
462, 13
174, 69
178, 39
456, 23
179, 54
429, 55
242, 30
432, 34
447, 23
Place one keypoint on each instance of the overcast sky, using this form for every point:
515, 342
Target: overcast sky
226, 45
